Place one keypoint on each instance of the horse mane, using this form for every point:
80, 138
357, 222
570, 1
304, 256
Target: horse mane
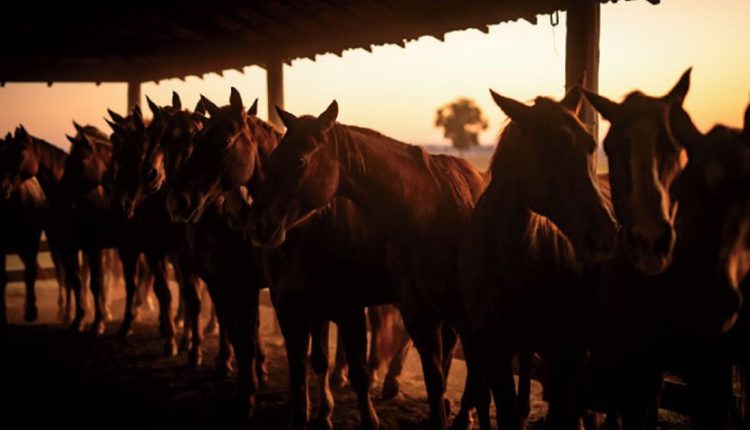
450, 174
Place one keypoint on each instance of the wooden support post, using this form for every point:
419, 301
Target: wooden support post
582, 52
134, 94
275, 83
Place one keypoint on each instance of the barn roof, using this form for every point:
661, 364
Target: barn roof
139, 40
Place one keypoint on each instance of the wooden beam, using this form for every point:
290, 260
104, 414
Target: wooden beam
275, 83
134, 94
582, 53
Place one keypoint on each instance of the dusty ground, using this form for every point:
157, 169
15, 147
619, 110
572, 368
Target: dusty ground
49, 375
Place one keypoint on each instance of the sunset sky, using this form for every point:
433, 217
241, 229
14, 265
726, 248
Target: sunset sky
397, 90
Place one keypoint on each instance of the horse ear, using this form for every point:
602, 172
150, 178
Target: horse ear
235, 99
176, 102
572, 99
606, 107
21, 132
746, 128
115, 116
683, 129
200, 107
287, 118
72, 140
212, 109
679, 91
138, 118
155, 109
79, 128
328, 117
515, 110
253, 111
116, 128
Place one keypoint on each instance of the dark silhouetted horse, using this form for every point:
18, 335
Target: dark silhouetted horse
25, 207
538, 223
419, 202
653, 306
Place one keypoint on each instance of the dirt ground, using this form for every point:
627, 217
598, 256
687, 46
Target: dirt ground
49, 375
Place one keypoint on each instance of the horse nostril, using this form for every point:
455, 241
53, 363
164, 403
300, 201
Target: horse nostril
183, 203
151, 175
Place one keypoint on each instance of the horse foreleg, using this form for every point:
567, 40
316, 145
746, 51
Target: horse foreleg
3, 286
339, 377
129, 259
192, 334
96, 283
223, 365
158, 265
525, 363
296, 333
375, 316
69, 258
63, 298
354, 336
391, 385
28, 256
319, 361
427, 337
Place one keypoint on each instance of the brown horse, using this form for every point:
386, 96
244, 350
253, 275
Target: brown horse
215, 253
712, 259
23, 211
540, 220
420, 202
24, 157
641, 325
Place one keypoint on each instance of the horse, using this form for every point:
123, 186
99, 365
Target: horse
307, 283
215, 254
25, 157
22, 216
640, 326
713, 258
420, 202
538, 224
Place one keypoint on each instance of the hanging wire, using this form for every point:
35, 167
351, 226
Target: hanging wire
554, 20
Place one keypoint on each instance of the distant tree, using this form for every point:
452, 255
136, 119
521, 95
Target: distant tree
462, 121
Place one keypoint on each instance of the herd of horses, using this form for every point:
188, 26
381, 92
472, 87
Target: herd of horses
611, 280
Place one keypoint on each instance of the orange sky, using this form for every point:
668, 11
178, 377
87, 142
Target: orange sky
397, 90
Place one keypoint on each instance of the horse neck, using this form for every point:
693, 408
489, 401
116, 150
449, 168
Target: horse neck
51, 164
390, 180
518, 230
266, 138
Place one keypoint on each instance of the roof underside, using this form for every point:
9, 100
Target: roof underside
140, 40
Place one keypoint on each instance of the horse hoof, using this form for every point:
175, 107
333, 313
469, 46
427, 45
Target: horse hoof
195, 358
31, 314
77, 325
322, 423
249, 406
98, 327
186, 345
462, 421
372, 423
391, 388
223, 369
170, 349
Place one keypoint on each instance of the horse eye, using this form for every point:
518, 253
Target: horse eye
301, 161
